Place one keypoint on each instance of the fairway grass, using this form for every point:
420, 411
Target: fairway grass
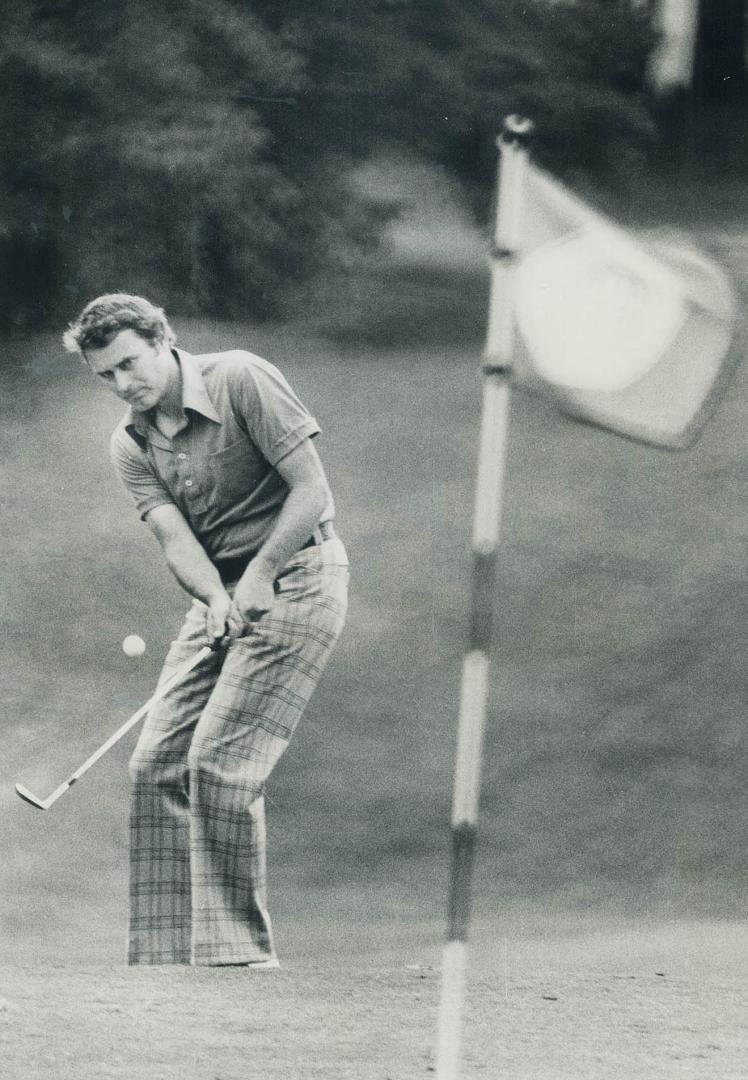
581, 1007
613, 779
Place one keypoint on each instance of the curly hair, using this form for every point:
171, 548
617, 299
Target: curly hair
103, 318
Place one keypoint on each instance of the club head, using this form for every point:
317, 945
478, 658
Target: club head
27, 796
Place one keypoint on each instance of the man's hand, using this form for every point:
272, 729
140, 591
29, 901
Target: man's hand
254, 595
222, 617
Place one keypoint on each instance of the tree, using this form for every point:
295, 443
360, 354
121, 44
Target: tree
144, 150
199, 151
439, 75
720, 60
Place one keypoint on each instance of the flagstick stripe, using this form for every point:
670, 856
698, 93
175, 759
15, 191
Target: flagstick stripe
509, 207
454, 962
489, 484
500, 328
481, 615
471, 726
463, 857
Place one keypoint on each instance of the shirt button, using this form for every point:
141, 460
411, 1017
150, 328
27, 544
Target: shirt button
188, 483
182, 457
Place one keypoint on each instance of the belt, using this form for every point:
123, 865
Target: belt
232, 569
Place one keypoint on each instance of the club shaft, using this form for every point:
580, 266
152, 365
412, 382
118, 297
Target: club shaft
162, 690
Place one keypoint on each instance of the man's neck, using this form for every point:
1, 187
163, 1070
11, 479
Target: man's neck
170, 406
167, 424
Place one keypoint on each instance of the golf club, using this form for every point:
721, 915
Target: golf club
44, 804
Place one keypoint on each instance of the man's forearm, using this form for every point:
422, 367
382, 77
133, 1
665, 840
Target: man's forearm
192, 568
294, 525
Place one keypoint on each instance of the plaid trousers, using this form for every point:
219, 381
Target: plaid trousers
197, 821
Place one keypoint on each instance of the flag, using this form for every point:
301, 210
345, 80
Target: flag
631, 333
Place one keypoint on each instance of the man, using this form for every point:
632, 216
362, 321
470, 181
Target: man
216, 452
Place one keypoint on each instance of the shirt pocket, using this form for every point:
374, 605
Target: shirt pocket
235, 472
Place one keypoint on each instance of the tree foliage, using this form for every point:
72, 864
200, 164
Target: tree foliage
199, 151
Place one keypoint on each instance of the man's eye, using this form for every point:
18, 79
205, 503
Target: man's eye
126, 365
108, 375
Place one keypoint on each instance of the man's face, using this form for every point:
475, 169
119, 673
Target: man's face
136, 371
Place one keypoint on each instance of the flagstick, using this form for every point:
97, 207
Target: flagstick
486, 527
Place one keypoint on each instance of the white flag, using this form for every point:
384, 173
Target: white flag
631, 334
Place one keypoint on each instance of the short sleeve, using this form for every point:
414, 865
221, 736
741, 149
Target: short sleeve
264, 403
136, 473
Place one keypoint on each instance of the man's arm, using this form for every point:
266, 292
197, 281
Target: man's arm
308, 495
193, 569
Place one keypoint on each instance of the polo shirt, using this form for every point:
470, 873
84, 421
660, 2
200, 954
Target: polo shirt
241, 419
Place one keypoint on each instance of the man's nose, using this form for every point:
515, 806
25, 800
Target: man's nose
122, 380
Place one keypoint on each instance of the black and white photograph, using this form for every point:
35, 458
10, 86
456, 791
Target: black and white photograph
374, 666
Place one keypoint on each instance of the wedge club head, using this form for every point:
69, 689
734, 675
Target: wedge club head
29, 797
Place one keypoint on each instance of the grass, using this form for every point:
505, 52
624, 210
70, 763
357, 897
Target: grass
589, 1005
613, 776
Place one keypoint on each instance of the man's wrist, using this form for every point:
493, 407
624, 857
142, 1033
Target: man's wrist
217, 594
264, 566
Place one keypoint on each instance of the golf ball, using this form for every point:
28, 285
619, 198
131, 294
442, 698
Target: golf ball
133, 645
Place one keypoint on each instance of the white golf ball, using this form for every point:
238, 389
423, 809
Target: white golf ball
133, 645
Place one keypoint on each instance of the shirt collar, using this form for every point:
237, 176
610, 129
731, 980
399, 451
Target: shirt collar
195, 397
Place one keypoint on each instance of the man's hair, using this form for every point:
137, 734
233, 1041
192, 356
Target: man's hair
103, 318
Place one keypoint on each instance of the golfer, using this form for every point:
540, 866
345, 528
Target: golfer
216, 451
